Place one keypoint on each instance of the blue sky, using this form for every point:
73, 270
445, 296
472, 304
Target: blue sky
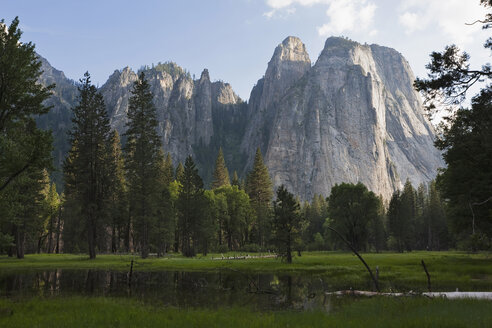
234, 39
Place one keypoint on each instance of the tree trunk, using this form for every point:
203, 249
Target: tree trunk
90, 238
50, 235
145, 240
289, 250
19, 243
58, 232
113, 239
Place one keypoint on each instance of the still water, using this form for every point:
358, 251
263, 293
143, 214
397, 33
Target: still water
176, 288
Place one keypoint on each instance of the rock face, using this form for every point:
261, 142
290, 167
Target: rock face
351, 117
289, 63
59, 118
183, 105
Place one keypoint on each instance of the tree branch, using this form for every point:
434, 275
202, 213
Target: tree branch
358, 255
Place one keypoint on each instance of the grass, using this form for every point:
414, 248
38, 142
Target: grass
111, 312
449, 270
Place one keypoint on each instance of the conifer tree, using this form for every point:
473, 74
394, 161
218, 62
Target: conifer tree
52, 203
259, 189
87, 170
235, 180
119, 219
22, 144
190, 205
179, 172
142, 160
408, 214
168, 173
24, 206
164, 232
286, 223
396, 224
221, 174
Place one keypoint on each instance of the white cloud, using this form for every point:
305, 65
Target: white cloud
347, 16
448, 17
343, 15
410, 21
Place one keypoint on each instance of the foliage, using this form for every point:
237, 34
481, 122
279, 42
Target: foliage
234, 213
88, 168
450, 75
465, 136
142, 159
22, 145
467, 180
118, 197
259, 189
221, 174
351, 209
286, 223
190, 205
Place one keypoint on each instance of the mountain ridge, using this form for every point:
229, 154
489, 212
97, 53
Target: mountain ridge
352, 116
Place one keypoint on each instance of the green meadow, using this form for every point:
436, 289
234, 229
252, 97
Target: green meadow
110, 312
397, 271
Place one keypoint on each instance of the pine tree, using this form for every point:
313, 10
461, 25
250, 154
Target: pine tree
395, 223
87, 171
22, 144
235, 180
25, 209
119, 219
52, 203
190, 205
142, 159
179, 172
286, 223
259, 189
221, 174
168, 170
408, 215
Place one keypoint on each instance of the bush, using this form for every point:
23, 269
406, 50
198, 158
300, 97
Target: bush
475, 242
221, 249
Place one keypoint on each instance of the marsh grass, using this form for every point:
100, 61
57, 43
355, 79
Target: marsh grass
398, 271
111, 312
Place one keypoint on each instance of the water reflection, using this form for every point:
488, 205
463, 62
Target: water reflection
175, 288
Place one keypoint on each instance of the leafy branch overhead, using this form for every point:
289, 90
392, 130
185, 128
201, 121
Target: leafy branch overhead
450, 76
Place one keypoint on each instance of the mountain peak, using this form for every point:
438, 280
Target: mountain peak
291, 49
205, 75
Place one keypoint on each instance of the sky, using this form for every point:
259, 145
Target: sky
235, 39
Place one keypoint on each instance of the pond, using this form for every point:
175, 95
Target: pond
176, 288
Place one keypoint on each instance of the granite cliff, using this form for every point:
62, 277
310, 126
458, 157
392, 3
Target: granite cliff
352, 116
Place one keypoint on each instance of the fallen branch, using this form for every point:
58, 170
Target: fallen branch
449, 295
376, 284
428, 277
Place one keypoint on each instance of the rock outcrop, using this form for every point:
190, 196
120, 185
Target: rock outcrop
353, 116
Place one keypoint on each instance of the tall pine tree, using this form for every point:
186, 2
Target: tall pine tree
119, 221
190, 206
259, 189
221, 175
87, 171
142, 159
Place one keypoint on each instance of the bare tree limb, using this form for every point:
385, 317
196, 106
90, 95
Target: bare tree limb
376, 284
